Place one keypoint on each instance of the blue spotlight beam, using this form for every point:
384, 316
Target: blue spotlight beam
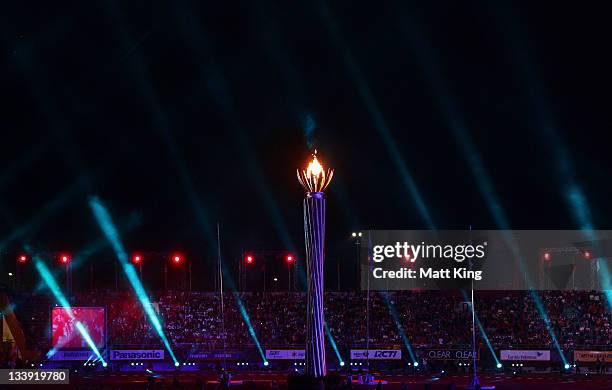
55, 205
94, 247
398, 325
483, 333
220, 93
430, 66
139, 71
376, 115
112, 235
47, 277
332, 342
243, 312
546, 126
247, 321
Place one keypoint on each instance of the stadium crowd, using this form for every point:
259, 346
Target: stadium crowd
426, 318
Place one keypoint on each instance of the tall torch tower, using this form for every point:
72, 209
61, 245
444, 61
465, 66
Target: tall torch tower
314, 179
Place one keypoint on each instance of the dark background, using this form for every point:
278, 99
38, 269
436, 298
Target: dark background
179, 115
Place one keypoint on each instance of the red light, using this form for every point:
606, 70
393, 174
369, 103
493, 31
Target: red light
250, 259
547, 256
137, 259
22, 258
289, 259
588, 255
176, 258
65, 259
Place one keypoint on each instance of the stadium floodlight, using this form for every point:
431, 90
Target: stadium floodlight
22, 258
176, 364
341, 364
499, 365
289, 259
567, 366
266, 363
314, 180
416, 364
249, 259
64, 258
177, 258
136, 258
354, 234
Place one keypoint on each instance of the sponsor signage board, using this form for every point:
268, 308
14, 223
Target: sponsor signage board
524, 355
73, 355
214, 355
449, 354
376, 354
137, 354
285, 354
592, 356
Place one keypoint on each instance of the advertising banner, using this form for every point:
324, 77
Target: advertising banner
285, 354
524, 355
73, 355
592, 356
449, 354
137, 354
214, 355
376, 354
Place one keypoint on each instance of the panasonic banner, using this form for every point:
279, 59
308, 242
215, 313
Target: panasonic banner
137, 354
376, 354
524, 355
285, 354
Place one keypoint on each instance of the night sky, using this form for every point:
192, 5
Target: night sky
182, 114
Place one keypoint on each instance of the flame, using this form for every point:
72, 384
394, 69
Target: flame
315, 178
314, 167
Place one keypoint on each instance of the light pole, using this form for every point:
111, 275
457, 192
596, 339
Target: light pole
314, 179
289, 259
177, 259
137, 260
65, 259
21, 261
248, 260
357, 239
